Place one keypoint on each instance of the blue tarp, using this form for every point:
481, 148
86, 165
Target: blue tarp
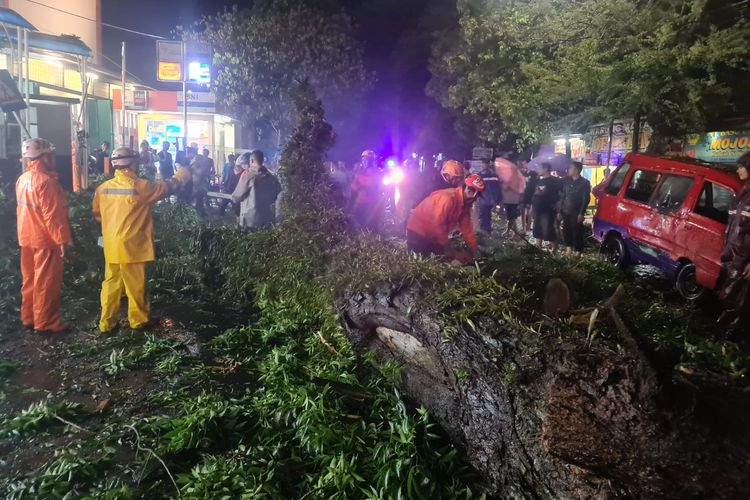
65, 44
12, 18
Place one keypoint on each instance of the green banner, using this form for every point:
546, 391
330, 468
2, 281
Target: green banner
718, 147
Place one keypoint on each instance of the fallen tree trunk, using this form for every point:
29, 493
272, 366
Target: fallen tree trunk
544, 416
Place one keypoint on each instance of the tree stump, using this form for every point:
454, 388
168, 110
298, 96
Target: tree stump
544, 416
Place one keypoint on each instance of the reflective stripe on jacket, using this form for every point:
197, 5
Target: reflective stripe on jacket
123, 206
42, 210
492, 194
439, 214
736, 251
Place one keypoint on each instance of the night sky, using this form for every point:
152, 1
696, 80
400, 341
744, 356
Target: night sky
399, 117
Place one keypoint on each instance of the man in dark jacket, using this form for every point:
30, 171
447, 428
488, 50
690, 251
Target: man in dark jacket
490, 198
229, 183
544, 202
734, 280
528, 194
100, 156
576, 194
166, 166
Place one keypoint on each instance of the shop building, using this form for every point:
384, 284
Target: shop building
157, 116
68, 96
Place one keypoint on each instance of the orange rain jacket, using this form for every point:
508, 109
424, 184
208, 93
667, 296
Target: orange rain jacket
439, 214
123, 206
42, 209
367, 187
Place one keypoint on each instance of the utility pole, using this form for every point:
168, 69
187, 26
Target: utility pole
28, 77
19, 63
184, 98
122, 111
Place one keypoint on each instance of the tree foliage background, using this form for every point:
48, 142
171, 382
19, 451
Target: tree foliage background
517, 70
262, 53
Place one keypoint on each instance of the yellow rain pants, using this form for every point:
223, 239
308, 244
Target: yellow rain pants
132, 279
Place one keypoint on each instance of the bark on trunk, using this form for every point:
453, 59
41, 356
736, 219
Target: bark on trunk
543, 416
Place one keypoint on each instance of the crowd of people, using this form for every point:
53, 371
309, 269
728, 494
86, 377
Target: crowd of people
122, 204
432, 205
246, 183
428, 201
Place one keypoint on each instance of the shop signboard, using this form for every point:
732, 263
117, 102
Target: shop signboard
622, 142
135, 100
199, 102
198, 56
169, 61
718, 147
480, 153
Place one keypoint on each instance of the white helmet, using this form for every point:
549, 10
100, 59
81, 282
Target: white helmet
34, 148
123, 157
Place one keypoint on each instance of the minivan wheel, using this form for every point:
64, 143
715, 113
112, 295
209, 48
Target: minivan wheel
614, 251
687, 286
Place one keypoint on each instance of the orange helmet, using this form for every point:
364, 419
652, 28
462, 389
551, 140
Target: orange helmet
475, 182
451, 170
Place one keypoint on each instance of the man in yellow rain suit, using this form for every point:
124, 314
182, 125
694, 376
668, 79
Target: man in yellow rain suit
123, 206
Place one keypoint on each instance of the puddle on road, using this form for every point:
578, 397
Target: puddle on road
651, 276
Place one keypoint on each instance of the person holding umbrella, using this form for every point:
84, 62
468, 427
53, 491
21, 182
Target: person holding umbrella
513, 185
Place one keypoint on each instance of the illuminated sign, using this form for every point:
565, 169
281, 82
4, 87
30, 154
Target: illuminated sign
718, 147
173, 56
198, 56
199, 72
169, 72
169, 61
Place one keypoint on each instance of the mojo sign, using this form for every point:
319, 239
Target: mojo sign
718, 147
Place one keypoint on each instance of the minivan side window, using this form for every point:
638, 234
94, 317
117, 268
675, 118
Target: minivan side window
642, 185
672, 192
616, 183
715, 202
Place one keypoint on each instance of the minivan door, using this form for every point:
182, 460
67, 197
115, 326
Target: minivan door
637, 215
702, 237
666, 218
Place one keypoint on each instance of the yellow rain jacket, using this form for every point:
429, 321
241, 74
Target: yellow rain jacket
123, 206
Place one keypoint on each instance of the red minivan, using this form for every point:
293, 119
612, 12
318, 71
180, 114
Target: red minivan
668, 212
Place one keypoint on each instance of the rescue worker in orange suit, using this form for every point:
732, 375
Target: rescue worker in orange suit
123, 206
430, 224
734, 279
43, 235
367, 204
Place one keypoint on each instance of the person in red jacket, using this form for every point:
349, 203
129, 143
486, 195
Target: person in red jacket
430, 224
43, 235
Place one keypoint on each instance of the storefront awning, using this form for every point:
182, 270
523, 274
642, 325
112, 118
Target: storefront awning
65, 44
13, 18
